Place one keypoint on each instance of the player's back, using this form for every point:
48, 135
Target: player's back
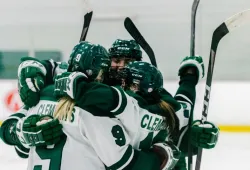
144, 128
74, 151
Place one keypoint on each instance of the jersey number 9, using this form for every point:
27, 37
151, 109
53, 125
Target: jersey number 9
118, 134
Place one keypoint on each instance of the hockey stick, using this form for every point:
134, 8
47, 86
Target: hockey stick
87, 20
134, 32
193, 24
192, 53
227, 26
85, 28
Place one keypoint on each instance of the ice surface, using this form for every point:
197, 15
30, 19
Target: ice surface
231, 153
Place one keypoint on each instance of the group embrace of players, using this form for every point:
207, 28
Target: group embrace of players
105, 109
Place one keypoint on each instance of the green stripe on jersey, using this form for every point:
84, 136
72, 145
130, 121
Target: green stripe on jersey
128, 155
122, 101
16, 116
50, 98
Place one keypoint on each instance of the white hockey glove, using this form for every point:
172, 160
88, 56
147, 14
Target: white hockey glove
195, 62
31, 79
65, 83
168, 153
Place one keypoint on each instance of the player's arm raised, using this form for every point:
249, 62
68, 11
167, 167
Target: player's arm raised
205, 136
33, 75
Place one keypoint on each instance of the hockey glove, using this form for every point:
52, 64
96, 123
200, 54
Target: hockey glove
61, 67
31, 77
204, 135
37, 130
192, 62
65, 83
168, 153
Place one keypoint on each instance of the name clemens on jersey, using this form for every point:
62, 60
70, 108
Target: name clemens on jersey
153, 122
49, 108
46, 109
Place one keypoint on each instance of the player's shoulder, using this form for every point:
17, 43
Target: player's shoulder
47, 93
168, 98
140, 100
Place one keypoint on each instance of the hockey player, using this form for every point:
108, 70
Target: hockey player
124, 51
123, 54
79, 146
151, 96
34, 74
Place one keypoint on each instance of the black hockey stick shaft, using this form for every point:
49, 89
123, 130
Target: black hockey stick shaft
193, 26
229, 25
135, 33
192, 53
86, 24
218, 34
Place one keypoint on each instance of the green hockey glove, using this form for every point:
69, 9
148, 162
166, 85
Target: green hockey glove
37, 130
192, 62
204, 135
65, 83
31, 77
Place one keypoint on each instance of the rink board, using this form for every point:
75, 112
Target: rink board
228, 106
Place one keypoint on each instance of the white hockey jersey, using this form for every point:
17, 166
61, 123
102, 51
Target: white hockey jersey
90, 142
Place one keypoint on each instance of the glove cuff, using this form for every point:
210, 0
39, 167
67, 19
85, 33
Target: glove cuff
193, 62
170, 154
71, 85
19, 132
32, 63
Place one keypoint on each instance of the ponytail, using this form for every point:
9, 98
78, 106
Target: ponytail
64, 109
169, 114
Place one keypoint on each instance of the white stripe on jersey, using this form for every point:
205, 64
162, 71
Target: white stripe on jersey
120, 100
185, 97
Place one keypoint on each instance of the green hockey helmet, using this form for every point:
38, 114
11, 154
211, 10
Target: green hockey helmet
125, 48
145, 75
89, 59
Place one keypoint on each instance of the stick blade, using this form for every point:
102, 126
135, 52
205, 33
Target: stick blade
227, 26
238, 20
87, 20
134, 32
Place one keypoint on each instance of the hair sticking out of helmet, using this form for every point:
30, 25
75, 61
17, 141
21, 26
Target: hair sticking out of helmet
147, 81
126, 49
147, 76
90, 59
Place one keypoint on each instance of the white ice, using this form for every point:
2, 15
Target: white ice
231, 153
